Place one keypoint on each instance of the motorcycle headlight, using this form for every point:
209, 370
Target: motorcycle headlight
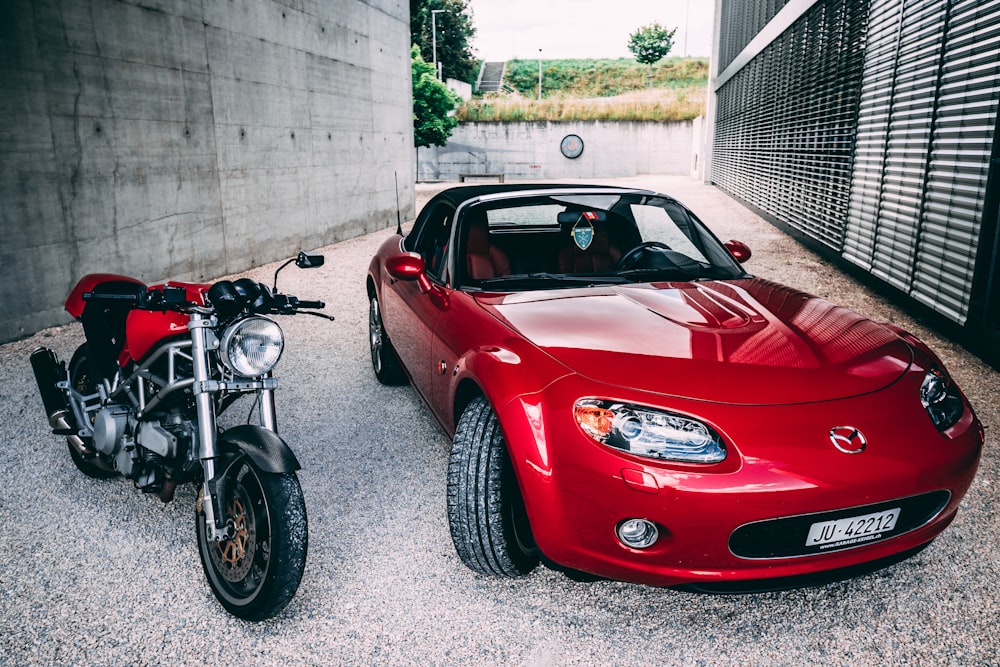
649, 432
940, 397
252, 346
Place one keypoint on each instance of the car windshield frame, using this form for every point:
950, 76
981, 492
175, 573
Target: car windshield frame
607, 217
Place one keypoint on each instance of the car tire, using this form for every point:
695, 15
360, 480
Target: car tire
486, 514
385, 361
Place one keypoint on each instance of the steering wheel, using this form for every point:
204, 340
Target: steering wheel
631, 254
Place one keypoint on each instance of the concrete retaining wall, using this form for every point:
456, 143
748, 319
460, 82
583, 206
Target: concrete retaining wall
531, 150
176, 139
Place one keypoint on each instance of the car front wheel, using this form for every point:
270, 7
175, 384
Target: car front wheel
486, 515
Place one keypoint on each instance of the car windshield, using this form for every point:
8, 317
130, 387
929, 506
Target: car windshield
570, 239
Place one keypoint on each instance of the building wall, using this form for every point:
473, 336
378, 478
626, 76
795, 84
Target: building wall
176, 139
532, 150
867, 127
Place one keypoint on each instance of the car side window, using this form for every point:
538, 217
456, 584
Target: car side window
432, 242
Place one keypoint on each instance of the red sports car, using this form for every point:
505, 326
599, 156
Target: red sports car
626, 401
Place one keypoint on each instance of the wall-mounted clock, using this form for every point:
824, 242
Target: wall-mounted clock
571, 146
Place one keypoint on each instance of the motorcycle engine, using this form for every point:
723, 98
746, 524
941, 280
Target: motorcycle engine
164, 455
148, 452
111, 435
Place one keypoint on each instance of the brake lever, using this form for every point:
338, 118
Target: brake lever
315, 314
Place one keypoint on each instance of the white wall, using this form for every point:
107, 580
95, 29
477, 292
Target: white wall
531, 150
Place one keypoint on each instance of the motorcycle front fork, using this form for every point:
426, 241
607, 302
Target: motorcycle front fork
213, 486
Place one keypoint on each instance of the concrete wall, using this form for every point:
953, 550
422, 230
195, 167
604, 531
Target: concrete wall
531, 150
189, 139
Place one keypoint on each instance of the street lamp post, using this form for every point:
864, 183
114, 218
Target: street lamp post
434, 41
687, 21
539, 74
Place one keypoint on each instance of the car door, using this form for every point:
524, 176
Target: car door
458, 330
411, 316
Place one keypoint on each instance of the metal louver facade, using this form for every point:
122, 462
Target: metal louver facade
784, 130
868, 128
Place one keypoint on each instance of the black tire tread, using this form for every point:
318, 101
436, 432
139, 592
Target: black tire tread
289, 545
476, 483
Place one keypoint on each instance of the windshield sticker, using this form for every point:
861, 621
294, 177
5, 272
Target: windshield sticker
583, 232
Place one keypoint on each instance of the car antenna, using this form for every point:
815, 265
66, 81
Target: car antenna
399, 223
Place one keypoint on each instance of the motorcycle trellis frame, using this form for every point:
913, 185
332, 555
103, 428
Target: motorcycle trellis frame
195, 351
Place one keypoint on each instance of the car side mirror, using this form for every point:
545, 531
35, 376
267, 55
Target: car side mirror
409, 266
740, 251
309, 260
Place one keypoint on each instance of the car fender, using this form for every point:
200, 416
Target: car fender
501, 372
527, 423
513, 378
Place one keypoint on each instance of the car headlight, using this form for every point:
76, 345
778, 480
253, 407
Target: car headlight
940, 397
252, 346
648, 432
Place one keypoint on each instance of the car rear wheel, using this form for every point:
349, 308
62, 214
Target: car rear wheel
385, 363
486, 514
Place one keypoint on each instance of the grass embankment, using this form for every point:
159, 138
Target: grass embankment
615, 90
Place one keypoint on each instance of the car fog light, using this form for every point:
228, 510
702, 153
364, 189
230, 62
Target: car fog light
637, 533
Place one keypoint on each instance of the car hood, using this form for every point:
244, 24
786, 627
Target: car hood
750, 341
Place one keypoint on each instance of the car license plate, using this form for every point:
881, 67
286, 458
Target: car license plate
856, 529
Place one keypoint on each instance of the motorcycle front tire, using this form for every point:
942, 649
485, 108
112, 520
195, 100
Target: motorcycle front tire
255, 573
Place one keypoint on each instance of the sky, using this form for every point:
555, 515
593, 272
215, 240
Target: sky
509, 29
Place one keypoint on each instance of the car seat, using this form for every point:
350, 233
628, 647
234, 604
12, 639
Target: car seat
599, 257
484, 259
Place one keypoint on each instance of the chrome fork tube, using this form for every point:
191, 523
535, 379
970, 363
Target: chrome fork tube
268, 411
207, 450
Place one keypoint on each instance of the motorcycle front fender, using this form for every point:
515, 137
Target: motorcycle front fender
265, 448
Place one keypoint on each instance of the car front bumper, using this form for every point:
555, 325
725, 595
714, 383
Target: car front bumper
717, 522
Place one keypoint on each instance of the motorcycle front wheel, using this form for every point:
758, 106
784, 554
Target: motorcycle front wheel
256, 572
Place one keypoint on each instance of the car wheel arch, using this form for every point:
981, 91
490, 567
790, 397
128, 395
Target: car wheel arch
466, 391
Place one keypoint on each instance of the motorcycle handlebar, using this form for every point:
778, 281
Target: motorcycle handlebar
174, 298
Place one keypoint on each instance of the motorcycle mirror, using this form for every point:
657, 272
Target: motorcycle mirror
305, 260
309, 260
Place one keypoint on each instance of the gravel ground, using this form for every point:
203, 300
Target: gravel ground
94, 573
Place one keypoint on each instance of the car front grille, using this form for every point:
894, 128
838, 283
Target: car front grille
786, 537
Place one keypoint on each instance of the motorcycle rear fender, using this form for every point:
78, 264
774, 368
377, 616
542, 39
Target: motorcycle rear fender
265, 448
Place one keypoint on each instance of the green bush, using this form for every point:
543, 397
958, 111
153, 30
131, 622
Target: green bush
602, 78
577, 90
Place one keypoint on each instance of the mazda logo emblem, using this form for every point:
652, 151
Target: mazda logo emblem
848, 439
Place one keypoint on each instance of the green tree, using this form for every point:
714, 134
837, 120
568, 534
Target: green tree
649, 44
433, 104
454, 32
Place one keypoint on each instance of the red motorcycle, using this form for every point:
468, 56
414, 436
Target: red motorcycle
141, 397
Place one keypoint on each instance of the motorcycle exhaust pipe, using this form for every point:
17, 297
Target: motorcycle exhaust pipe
48, 371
